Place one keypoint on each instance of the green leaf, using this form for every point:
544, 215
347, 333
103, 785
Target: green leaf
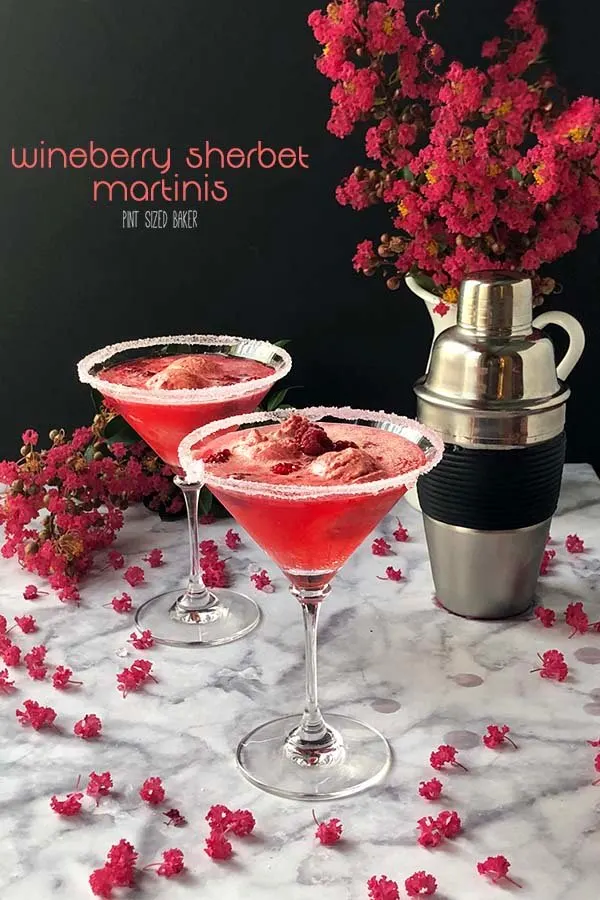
406, 173
275, 400
515, 174
119, 431
97, 399
282, 343
206, 501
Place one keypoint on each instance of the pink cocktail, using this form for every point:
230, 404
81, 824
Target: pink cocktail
309, 486
164, 387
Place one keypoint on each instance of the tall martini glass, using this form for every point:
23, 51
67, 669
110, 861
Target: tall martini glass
310, 531
194, 616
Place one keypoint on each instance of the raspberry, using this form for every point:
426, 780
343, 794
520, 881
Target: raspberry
284, 468
314, 441
218, 457
344, 445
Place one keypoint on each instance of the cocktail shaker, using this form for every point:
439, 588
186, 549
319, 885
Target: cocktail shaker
494, 393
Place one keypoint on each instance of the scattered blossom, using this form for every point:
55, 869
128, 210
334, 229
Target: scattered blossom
116, 559
143, 641
497, 735
121, 604
11, 654
154, 558
175, 818
241, 823
172, 863
401, 533
27, 624
88, 727
31, 592
6, 686
448, 823
261, 581
553, 665
495, 868
445, 754
132, 678
576, 618
217, 846
428, 833
382, 888
546, 561
546, 616
328, 832
30, 437
391, 574
232, 539
380, 547
431, 789
152, 791
574, 544
61, 678
134, 575
69, 807
597, 768
35, 715
99, 785
421, 884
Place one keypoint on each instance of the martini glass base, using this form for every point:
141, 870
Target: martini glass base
360, 759
234, 616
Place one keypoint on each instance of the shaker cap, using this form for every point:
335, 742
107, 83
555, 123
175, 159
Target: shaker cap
496, 304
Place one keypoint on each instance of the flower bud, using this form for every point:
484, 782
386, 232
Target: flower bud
31, 547
359, 171
24, 449
54, 434
385, 238
393, 283
17, 486
98, 456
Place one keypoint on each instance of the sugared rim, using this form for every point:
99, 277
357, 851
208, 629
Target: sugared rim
263, 351
412, 430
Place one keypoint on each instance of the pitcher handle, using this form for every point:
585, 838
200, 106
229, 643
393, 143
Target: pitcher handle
576, 339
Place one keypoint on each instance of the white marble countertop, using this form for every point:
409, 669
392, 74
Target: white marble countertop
387, 655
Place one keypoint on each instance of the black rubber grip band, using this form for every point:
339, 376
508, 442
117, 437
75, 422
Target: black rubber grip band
494, 490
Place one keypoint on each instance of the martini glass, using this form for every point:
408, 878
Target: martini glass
195, 616
310, 531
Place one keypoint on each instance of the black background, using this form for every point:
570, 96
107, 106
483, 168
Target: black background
274, 260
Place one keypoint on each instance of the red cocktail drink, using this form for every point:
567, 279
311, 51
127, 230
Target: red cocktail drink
309, 485
164, 387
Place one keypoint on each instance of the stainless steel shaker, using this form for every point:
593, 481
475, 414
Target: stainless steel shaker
494, 393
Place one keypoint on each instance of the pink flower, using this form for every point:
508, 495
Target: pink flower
27, 624
261, 581
69, 807
217, 846
6, 686
154, 558
448, 823
134, 575
576, 618
497, 735
382, 888
116, 559
441, 308
31, 592
546, 616
134, 677
429, 834
35, 715
445, 754
380, 547
553, 665
495, 868
574, 544
172, 863
88, 727
30, 437
401, 534
392, 574
546, 560
143, 641
99, 785
232, 539
328, 832
152, 791
62, 678
121, 604
431, 790
420, 885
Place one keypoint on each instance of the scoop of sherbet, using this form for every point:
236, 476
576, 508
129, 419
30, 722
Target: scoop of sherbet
271, 447
187, 372
344, 466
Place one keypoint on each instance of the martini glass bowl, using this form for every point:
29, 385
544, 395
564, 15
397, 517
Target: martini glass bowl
310, 531
194, 616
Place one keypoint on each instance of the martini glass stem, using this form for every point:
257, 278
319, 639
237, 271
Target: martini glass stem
312, 742
197, 596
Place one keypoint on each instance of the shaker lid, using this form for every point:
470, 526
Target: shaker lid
493, 358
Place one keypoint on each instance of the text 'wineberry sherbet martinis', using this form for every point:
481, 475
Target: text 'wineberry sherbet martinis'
309, 485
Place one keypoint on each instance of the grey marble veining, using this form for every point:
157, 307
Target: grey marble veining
388, 655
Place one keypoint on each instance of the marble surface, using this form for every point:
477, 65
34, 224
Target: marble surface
388, 656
